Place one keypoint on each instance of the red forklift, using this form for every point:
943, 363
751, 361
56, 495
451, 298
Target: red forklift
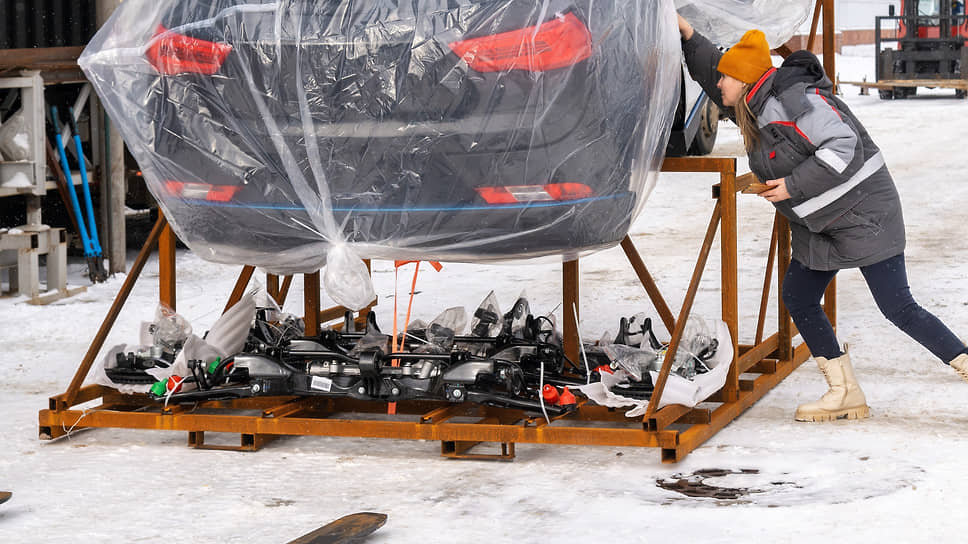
931, 40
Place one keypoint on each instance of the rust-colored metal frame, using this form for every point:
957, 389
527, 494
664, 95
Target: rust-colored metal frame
675, 429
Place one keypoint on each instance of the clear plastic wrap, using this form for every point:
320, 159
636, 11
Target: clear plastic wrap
275, 132
633, 363
450, 323
14, 138
167, 346
725, 21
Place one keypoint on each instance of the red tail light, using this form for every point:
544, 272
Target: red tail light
561, 42
202, 191
568, 191
515, 194
171, 53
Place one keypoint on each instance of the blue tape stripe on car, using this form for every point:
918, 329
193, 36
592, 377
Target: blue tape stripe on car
421, 209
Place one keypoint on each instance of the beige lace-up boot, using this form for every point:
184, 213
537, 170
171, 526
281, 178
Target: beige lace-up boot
843, 400
960, 364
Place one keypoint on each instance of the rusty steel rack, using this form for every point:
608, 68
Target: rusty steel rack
675, 429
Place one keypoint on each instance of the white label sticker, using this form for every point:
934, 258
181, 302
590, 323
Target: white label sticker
321, 383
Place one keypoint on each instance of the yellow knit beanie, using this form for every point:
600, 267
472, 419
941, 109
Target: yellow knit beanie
749, 59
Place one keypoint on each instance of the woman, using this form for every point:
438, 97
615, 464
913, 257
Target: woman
829, 179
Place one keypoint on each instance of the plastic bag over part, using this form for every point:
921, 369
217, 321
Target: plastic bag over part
698, 340
725, 21
15, 139
271, 132
167, 345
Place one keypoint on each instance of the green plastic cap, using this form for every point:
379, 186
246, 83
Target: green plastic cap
158, 389
213, 365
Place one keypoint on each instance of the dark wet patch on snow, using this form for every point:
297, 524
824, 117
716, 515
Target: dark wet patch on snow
696, 485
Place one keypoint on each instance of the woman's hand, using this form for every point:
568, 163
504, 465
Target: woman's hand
685, 29
778, 192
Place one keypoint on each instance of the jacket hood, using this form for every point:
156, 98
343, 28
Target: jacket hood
789, 83
801, 67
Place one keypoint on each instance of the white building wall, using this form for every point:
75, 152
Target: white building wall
856, 14
859, 14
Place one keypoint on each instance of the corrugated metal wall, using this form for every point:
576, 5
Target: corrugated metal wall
46, 23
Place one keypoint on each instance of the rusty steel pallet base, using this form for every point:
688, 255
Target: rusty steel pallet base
458, 427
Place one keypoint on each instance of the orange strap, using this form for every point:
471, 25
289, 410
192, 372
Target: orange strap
392, 406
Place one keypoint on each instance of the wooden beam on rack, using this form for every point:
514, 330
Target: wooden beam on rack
784, 322
648, 282
284, 291
829, 42
571, 314
707, 245
783, 51
72, 390
729, 264
166, 267
240, 286
757, 353
311, 303
40, 58
812, 39
272, 286
767, 277
698, 164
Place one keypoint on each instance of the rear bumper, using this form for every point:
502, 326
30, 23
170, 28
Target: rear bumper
470, 233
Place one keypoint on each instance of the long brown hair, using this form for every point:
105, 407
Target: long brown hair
746, 120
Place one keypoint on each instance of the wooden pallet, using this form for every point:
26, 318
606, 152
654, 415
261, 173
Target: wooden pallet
888, 84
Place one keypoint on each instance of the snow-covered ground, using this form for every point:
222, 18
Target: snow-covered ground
897, 477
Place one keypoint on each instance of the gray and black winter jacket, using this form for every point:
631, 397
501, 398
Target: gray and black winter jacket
844, 209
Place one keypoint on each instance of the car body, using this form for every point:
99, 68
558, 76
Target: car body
460, 130
696, 122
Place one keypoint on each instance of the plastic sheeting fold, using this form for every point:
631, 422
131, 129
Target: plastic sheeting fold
725, 21
273, 133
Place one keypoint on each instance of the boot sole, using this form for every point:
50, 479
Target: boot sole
861, 412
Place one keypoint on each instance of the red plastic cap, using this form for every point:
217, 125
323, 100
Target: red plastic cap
550, 394
567, 398
174, 384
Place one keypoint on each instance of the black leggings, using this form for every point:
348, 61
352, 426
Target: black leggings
887, 280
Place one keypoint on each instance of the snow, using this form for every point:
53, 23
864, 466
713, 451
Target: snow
898, 476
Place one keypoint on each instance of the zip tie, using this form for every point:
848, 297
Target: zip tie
584, 358
417, 338
393, 341
541, 395
172, 392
